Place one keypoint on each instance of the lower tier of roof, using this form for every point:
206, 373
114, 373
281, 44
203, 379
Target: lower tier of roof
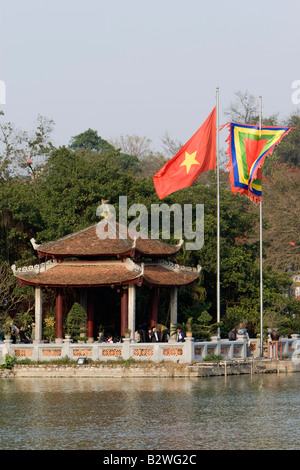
105, 273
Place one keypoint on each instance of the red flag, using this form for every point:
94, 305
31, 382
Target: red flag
195, 157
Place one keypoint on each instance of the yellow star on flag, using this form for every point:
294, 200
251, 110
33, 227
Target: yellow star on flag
190, 159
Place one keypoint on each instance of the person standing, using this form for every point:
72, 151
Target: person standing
154, 335
232, 335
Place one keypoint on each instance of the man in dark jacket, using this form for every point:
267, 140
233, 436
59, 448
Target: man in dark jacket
180, 335
154, 335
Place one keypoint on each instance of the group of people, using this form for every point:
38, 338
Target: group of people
155, 335
19, 335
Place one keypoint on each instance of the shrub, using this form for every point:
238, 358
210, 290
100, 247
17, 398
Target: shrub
76, 321
213, 357
9, 362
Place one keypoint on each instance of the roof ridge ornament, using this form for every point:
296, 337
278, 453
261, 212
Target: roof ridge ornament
134, 267
35, 245
37, 268
178, 267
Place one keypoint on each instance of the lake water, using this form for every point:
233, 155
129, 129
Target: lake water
215, 413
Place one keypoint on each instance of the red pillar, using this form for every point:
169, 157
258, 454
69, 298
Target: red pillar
154, 307
124, 310
59, 313
90, 314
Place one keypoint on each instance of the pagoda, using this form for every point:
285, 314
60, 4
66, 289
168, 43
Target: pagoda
86, 263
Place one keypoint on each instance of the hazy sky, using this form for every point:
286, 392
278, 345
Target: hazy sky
144, 67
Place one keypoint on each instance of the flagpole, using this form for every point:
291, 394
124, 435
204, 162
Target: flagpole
218, 211
261, 251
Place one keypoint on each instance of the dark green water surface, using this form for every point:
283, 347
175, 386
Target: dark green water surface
216, 413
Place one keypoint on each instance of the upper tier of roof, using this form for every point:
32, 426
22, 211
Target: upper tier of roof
90, 243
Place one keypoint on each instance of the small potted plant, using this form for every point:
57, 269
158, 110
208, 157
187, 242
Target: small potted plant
188, 330
49, 328
214, 331
6, 328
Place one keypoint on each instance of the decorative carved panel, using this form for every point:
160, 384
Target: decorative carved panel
23, 352
143, 352
51, 352
82, 352
172, 352
111, 352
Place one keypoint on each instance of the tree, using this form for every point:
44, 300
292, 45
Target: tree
171, 146
20, 150
289, 149
89, 140
133, 145
76, 321
12, 296
244, 109
281, 202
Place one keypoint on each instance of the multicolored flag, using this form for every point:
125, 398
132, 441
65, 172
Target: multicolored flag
195, 157
248, 147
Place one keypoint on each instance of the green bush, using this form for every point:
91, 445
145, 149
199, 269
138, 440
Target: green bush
76, 321
9, 362
213, 358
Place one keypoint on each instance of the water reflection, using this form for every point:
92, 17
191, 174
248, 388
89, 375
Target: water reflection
258, 412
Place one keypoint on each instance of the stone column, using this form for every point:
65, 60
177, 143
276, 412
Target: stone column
59, 315
154, 306
90, 315
173, 312
38, 315
124, 310
131, 309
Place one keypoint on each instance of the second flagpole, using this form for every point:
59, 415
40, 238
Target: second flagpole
261, 253
218, 212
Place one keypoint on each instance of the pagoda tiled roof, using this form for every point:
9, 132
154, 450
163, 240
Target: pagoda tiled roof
169, 274
105, 273
80, 274
87, 244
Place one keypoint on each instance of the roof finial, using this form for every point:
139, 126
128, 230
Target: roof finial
104, 210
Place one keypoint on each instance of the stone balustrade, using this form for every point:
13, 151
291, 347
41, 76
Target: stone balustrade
172, 351
187, 352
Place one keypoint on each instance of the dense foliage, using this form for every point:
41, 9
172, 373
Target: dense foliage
47, 192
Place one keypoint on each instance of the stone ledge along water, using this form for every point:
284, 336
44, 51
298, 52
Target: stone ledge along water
203, 369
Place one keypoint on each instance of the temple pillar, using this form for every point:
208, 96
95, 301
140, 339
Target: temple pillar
84, 298
131, 308
173, 312
59, 315
90, 315
124, 310
38, 315
154, 306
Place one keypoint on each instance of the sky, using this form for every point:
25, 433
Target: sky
144, 68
